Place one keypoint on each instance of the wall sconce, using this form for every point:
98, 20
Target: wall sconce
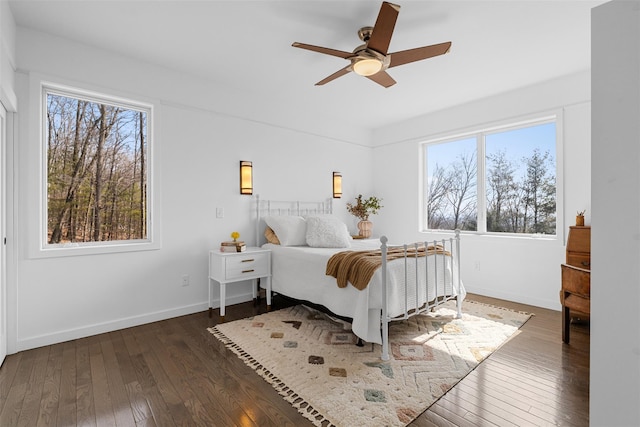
246, 177
337, 185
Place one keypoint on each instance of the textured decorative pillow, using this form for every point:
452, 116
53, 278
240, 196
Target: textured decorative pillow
327, 232
291, 230
271, 236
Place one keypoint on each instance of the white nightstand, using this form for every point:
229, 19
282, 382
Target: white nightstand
231, 267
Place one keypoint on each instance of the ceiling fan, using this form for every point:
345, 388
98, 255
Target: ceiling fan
371, 59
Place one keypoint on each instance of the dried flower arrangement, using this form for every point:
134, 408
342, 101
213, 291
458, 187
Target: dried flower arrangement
362, 208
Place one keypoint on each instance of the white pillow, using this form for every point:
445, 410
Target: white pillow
291, 230
327, 232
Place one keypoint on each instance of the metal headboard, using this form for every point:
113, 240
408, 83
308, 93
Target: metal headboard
264, 208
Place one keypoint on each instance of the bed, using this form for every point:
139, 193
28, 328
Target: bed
305, 238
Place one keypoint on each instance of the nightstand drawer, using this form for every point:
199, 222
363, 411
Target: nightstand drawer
249, 265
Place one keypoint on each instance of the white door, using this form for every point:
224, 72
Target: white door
3, 284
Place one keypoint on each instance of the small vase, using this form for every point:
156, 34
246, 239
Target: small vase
365, 228
580, 220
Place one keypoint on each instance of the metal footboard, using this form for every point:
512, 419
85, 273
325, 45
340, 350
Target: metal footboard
423, 277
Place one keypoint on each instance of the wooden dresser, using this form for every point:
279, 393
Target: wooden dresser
575, 295
579, 247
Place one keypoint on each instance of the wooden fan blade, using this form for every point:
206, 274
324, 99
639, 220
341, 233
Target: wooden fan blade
382, 78
383, 28
335, 75
418, 54
325, 50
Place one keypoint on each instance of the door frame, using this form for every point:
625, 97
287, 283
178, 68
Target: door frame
3, 240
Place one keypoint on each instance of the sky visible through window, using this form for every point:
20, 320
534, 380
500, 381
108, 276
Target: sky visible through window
520, 143
516, 144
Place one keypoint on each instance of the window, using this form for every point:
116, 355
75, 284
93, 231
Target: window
96, 169
500, 180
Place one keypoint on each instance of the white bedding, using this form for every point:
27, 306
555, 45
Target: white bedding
299, 272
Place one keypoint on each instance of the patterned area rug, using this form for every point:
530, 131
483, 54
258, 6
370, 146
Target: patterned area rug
311, 359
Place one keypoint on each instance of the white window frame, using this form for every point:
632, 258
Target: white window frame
39, 246
480, 133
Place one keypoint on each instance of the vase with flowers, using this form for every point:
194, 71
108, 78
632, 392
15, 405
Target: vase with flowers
361, 209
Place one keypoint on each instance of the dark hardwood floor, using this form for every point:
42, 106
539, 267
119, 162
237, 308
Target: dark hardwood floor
174, 372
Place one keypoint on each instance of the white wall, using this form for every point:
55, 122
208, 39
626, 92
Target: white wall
7, 56
8, 105
518, 269
615, 275
200, 147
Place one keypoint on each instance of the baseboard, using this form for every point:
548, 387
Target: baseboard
127, 322
522, 299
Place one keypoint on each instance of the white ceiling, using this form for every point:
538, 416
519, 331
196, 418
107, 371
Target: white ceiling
497, 46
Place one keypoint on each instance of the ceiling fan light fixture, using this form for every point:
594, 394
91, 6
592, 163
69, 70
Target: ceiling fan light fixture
372, 58
367, 67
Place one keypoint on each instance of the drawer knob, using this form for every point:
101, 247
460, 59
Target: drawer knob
248, 260
248, 271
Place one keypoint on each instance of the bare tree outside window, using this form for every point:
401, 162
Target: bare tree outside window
452, 186
521, 180
518, 177
96, 170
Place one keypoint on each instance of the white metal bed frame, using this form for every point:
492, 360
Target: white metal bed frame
287, 208
411, 269
451, 245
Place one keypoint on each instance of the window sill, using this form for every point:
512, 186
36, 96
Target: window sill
81, 249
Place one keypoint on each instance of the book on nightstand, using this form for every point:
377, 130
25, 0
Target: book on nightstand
233, 247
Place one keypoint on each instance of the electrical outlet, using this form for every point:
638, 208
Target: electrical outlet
185, 280
477, 265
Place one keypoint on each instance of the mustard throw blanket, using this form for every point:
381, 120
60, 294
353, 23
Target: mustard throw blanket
358, 267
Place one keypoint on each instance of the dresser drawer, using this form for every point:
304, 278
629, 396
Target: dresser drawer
576, 281
579, 239
249, 265
581, 260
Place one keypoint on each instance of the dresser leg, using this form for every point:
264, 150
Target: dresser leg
221, 319
566, 323
210, 312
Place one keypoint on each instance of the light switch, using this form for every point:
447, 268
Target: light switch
219, 212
